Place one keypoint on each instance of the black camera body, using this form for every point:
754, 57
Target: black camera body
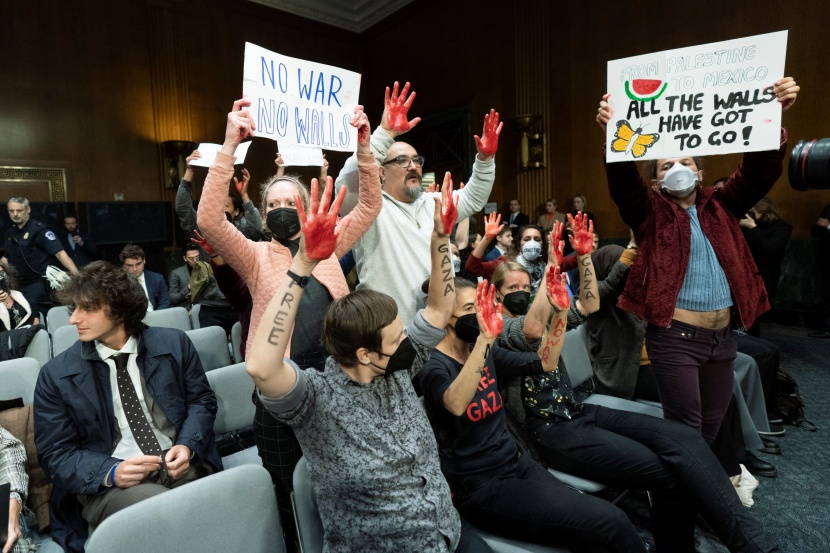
810, 165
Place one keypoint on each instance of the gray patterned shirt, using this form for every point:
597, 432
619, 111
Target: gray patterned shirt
372, 456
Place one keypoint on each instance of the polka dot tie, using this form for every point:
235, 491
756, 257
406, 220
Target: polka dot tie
143, 434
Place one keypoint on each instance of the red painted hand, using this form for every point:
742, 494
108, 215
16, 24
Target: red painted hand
488, 145
320, 229
582, 240
492, 228
242, 185
558, 289
557, 245
202, 243
490, 319
449, 205
396, 110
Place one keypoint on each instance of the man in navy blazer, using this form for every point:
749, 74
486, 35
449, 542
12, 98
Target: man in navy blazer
88, 439
132, 257
515, 218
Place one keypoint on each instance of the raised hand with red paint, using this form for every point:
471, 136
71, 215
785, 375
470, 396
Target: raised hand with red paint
396, 111
489, 314
449, 205
492, 226
321, 233
361, 122
582, 240
557, 246
242, 185
202, 243
240, 126
488, 145
558, 289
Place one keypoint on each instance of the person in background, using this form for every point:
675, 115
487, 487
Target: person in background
550, 216
15, 311
132, 258
821, 232
514, 218
31, 247
13, 471
324, 169
504, 243
81, 248
767, 236
179, 280
240, 211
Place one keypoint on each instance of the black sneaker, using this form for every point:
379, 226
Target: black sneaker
774, 430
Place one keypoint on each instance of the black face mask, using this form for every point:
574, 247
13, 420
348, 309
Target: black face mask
466, 328
517, 302
402, 359
283, 223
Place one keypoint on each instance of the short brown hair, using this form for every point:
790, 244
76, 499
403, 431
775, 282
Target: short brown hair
131, 251
357, 321
102, 285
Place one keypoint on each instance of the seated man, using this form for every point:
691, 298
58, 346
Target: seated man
155, 289
125, 413
180, 277
370, 450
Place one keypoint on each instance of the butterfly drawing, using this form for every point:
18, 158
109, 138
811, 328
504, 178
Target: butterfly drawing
628, 140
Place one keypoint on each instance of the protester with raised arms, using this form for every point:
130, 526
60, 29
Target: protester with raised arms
393, 256
264, 265
693, 267
369, 447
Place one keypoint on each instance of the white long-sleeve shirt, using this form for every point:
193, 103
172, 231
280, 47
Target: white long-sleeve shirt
393, 256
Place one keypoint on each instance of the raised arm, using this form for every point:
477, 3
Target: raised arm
265, 360
225, 238
473, 197
184, 196
369, 195
460, 393
536, 320
441, 295
253, 217
582, 242
557, 292
462, 233
393, 123
492, 228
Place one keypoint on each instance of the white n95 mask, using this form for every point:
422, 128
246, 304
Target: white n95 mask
679, 181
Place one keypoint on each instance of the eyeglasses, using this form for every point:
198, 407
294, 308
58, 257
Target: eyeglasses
404, 161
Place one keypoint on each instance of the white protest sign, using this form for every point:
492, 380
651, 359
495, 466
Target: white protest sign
295, 156
703, 100
209, 150
301, 102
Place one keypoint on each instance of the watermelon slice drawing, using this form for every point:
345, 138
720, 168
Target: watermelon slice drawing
645, 90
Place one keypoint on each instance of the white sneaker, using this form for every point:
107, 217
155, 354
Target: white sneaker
745, 484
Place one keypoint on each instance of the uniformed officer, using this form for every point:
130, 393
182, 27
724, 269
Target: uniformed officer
31, 247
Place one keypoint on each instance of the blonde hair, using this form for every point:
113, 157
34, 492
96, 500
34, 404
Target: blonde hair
302, 191
504, 269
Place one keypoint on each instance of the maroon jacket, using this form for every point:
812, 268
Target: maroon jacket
663, 232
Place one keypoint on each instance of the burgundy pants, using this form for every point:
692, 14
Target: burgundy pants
693, 369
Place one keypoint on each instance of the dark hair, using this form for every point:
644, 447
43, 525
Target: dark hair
516, 248
102, 285
462, 283
357, 321
131, 251
766, 211
650, 166
189, 247
11, 275
237, 203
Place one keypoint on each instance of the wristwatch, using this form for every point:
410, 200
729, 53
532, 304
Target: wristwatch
302, 282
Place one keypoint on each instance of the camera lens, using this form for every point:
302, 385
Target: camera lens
810, 165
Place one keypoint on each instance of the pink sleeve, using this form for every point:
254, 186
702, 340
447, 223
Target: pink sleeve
226, 239
368, 206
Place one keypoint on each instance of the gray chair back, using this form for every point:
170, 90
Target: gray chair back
236, 342
233, 510
56, 317
63, 338
306, 512
19, 377
575, 355
194, 315
174, 317
233, 388
211, 344
40, 348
